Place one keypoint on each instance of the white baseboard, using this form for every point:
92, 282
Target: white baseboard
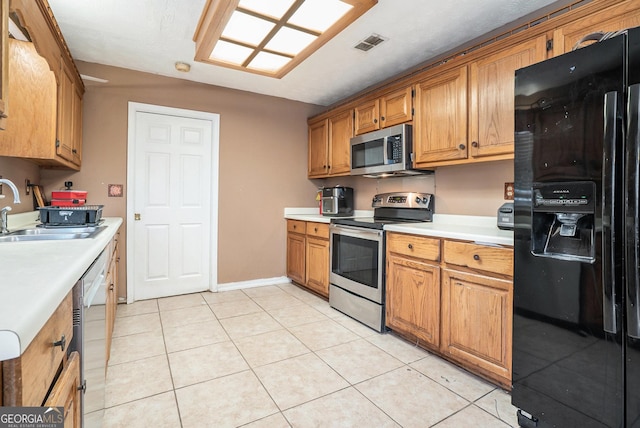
263, 282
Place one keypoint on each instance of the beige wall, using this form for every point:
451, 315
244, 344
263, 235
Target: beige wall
263, 152
476, 189
18, 170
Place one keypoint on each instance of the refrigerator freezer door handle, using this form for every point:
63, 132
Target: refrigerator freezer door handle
632, 177
608, 210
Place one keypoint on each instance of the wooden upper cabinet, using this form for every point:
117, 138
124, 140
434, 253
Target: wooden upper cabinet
491, 97
367, 117
391, 109
340, 133
4, 60
329, 145
440, 122
64, 136
318, 149
614, 18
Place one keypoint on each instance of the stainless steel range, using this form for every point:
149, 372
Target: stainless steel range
357, 250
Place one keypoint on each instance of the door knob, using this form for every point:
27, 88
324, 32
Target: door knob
136, 216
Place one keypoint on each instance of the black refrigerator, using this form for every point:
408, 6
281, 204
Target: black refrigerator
576, 338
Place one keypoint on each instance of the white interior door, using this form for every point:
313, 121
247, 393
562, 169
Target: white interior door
171, 204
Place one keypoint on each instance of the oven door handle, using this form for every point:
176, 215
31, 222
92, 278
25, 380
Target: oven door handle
357, 232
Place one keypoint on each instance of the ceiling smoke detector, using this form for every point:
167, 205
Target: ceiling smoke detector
370, 42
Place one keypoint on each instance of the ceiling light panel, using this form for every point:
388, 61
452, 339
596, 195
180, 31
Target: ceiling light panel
273, 8
268, 62
270, 37
319, 15
230, 52
289, 41
247, 29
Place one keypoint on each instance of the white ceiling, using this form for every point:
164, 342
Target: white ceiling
151, 35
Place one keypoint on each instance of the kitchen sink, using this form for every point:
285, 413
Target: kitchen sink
52, 234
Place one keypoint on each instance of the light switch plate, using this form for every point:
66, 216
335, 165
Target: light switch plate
508, 191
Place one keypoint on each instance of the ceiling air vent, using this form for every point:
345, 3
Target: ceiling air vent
370, 42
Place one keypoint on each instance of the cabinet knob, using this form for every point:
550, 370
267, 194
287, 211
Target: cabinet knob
382, 118
410, 246
462, 147
62, 343
476, 257
111, 287
295, 226
315, 229
474, 144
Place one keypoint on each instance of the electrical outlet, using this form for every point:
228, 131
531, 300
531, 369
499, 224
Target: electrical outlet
508, 191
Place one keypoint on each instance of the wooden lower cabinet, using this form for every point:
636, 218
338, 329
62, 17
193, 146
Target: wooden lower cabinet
308, 255
477, 323
296, 249
66, 392
27, 379
112, 290
454, 298
317, 252
413, 299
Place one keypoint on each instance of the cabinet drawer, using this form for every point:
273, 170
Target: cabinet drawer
296, 226
414, 246
28, 377
319, 230
481, 257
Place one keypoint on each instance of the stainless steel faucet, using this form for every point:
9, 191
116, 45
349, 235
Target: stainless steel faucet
5, 210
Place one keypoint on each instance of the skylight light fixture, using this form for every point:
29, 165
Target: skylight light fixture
270, 37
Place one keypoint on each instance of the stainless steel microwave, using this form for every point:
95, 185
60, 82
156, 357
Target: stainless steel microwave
385, 152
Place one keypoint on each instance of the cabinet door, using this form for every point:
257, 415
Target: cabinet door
618, 17
476, 322
64, 136
4, 61
366, 117
396, 107
318, 265
440, 122
318, 149
66, 392
413, 299
77, 125
296, 257
340, 133
491, 104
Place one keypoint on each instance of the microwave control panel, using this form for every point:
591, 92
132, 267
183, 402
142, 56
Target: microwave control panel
394, 147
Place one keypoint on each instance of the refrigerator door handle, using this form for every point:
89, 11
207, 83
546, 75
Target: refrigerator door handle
631, 235
608, 209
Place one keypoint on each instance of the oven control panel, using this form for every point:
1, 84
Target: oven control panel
403, 200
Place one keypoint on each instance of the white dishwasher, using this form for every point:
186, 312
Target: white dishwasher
89, 339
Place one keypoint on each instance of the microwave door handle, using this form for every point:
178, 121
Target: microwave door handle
385, 151
632, 210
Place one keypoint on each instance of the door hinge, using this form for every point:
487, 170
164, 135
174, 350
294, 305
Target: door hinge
413, 93
412, 111
57, 143
549, 45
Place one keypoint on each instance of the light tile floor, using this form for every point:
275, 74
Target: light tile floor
278, 356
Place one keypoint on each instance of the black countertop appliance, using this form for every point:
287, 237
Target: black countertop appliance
337, 201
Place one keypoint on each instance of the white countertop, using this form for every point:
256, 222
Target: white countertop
35, 278
481, 229
313, 214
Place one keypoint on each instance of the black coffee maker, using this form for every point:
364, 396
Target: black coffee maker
337, 201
